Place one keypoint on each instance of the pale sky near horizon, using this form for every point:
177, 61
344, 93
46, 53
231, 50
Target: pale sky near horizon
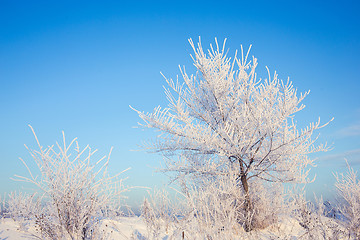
76, 66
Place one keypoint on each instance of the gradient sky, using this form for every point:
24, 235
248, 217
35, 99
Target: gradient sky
76, 66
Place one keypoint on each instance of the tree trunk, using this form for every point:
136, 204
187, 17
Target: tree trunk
247, 204
246, 190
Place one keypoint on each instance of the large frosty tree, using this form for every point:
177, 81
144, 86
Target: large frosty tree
224, 117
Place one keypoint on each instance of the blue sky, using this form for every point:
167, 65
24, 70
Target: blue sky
77, 66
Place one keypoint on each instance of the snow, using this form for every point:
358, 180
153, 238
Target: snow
123, 228
133, 228
9, 229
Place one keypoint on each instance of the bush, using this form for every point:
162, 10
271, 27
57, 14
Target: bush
348, 189
213, 208
77, 192
21, 207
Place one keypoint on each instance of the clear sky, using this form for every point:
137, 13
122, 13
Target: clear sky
76, 66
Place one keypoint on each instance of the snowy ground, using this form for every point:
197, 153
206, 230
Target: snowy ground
133, 228
123, 229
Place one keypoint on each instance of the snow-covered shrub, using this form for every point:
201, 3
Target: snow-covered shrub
268, 204
212, 208
159, 214
151, 220
348, 191
199, 215
219, 204
313, 218
77, 191
22, 207
2, 207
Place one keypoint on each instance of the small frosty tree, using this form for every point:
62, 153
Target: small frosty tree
224, 117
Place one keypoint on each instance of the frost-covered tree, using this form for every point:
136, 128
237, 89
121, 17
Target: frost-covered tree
224, 117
